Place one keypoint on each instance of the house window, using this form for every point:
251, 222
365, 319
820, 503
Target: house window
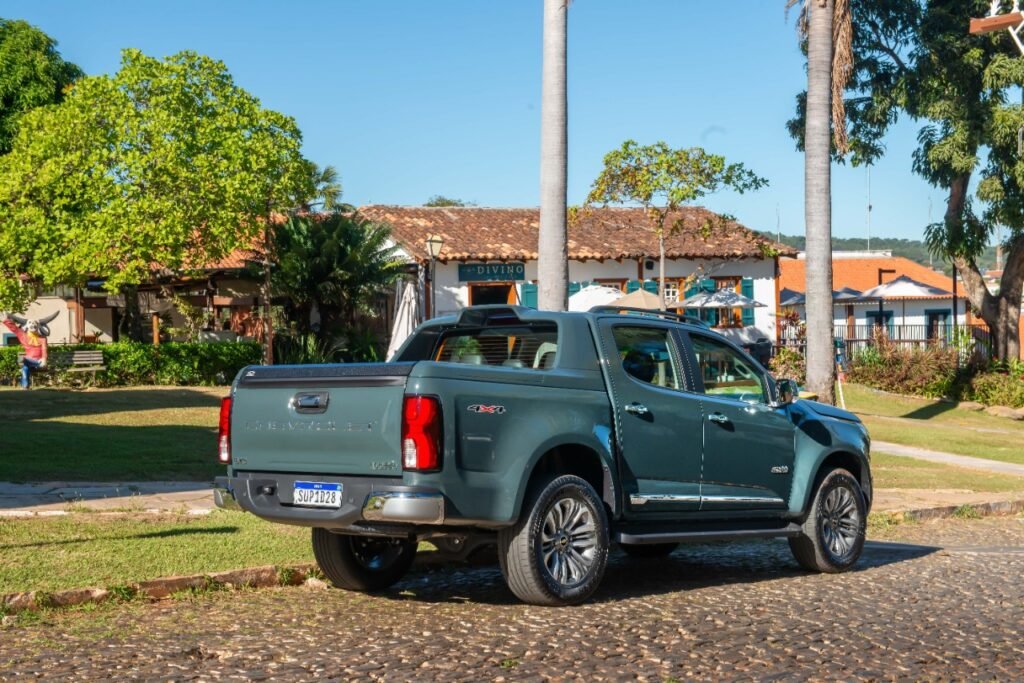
493, 293
617, 283
729, 317
672, 291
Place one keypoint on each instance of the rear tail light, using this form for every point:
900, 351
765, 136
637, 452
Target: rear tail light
421, 433
224, 432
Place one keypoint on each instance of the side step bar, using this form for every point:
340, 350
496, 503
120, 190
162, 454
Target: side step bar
706, 536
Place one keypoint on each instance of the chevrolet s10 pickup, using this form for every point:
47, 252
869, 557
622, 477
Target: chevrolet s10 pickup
554, 435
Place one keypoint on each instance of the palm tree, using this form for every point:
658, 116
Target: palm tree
826, 26
552, 261
326, 188
337, 263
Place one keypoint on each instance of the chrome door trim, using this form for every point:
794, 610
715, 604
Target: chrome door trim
643, 499
743, 499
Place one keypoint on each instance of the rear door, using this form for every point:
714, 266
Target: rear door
320, 419
658, 422
748, 445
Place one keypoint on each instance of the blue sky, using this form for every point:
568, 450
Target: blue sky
411, 98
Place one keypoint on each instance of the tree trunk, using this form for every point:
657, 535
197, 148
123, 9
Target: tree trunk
661, 269
552, 261
818, 202
1001, 312
131, 323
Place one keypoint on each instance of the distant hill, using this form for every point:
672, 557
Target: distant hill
915, 250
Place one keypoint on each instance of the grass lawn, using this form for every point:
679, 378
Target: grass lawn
91, 550
895, 472
126, 434
936, 426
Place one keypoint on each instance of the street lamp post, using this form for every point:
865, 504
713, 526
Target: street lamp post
434, 244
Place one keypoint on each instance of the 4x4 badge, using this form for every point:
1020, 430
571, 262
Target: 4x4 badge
487, 410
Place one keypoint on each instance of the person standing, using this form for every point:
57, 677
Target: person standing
35, 346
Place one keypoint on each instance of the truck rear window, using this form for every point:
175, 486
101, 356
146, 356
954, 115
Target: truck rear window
517, 346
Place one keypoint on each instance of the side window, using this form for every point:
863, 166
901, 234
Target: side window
726, 372
644, 353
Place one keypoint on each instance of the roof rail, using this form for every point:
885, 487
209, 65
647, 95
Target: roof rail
681, 317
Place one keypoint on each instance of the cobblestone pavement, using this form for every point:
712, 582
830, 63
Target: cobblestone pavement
936, 600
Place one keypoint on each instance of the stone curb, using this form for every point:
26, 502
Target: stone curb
156, 589
1002, 507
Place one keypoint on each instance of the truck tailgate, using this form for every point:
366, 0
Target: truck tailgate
320, 419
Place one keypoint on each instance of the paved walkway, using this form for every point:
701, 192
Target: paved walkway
948, 458
61, 497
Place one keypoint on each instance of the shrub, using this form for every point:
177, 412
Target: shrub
789, 363
132, 363
997, 389
931, 371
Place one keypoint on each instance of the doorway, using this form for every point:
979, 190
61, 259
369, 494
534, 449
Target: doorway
496, 293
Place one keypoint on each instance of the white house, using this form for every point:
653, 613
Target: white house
490, 256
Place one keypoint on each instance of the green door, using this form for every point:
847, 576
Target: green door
659, 424
748, 445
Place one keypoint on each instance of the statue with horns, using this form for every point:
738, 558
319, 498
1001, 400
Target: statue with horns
31, 334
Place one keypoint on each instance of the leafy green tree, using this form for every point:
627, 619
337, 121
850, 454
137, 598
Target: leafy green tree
663, 180
338, 263
32, 74
166, 162
439, 200
916, 58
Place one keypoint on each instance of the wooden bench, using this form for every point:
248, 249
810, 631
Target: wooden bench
75, 361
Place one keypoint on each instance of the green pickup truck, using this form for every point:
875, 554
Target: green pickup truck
553, 435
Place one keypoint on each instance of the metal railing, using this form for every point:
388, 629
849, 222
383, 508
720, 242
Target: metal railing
856, 338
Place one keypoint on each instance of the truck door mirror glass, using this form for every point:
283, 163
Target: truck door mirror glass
788, 391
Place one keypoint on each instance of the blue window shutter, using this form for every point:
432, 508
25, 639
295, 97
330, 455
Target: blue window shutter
747, 290
529, 294
575, 287
694, 288
651, 286
707, 285
632, 286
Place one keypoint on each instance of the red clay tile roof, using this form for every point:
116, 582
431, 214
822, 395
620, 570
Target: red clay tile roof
862, 273
472, 233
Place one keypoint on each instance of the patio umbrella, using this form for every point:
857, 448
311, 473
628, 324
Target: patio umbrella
904, 288
405, 319
720, 298
641, 298
593, 295
789, 297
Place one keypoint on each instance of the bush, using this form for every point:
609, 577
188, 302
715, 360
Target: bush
132, 363
997, 389
789, 363
931, 371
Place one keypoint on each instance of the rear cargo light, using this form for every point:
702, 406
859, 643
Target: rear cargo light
224, 432
421, 433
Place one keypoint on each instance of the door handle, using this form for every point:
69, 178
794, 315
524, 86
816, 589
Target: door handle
718, 418
311, 402
637, 409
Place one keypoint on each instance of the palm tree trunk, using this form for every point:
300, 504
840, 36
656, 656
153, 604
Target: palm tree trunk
552, 261
818, 201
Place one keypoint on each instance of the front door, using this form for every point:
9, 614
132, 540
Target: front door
659, 422
748, 445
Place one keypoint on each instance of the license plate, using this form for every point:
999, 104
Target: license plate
317, 494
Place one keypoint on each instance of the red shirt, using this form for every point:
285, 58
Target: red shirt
36, 351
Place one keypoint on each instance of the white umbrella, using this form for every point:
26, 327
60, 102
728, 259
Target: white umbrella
593, 295
405, 319
720, 298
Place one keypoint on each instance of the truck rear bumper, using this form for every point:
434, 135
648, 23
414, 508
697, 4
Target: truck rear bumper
364, 499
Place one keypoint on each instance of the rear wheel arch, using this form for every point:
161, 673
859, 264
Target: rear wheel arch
577, 459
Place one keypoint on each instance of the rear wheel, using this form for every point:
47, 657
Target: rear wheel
832, 536
648, 550
362, 563
557, 552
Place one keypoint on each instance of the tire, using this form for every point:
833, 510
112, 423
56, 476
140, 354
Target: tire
362, 563
648, 550
557, 551
832, 536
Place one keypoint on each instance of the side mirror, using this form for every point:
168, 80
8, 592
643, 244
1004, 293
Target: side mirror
788, 391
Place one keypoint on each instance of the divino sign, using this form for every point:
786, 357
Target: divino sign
491, 272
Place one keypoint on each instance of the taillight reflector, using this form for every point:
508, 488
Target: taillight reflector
224, 432
421, 433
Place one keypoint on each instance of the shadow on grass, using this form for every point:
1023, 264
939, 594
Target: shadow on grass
166, 533
688, 568
44, 403
62, 451
927, 412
